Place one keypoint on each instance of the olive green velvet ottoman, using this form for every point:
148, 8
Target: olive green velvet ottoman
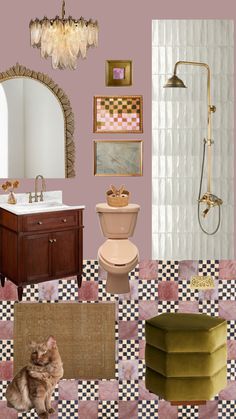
186, 356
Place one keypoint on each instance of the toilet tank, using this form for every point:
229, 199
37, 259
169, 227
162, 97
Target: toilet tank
117, 222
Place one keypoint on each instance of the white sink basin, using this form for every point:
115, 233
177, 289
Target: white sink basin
23, 207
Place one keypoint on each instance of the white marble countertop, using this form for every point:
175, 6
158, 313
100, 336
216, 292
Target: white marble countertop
52, 201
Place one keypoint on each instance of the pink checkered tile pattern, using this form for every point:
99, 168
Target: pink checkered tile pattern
154, 290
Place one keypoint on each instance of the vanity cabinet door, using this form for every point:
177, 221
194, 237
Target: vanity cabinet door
65, 253
36, 258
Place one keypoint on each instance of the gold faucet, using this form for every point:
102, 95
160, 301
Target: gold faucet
43, 188
37, 194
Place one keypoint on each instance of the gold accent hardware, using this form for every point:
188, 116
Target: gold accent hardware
208, 198
211, 201
208, 142
202, 282
54, 240
176, 82
43, 189
30, 197
50, 240
65, 220
40, 223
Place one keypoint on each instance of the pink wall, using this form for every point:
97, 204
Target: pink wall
125, 33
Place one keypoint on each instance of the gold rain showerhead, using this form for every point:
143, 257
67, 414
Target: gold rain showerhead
175, 81
208, 198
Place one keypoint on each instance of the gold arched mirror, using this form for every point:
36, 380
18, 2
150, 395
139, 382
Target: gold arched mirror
36, 126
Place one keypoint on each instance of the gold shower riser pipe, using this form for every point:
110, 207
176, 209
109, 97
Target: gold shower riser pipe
210, 108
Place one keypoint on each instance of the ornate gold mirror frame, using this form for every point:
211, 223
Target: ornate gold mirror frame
21, 71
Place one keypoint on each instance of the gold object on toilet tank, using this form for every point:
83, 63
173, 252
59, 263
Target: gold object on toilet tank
117, 197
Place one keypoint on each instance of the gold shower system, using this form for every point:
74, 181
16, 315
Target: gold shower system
207, 198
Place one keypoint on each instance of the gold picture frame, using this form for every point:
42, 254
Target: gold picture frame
118, 114
119, 73
118, 157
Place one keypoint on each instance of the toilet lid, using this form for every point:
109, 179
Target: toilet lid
107, 208
118, 252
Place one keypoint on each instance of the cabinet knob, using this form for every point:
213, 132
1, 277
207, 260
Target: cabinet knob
64, 220
40, 223
50, 240
54, 240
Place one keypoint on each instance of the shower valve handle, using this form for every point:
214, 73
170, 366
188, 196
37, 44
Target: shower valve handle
212, 108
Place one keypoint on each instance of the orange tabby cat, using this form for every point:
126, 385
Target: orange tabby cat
33, 386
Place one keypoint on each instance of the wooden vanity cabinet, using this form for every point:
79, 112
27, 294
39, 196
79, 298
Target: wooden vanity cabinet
40, 247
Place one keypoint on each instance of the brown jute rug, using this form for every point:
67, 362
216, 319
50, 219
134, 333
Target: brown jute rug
85, 335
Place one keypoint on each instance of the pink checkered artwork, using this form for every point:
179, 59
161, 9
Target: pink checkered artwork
118, 114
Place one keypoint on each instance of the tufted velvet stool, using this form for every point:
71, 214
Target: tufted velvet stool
186, 356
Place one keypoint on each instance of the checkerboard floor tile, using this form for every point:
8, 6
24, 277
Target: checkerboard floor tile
141, 329
31, 293
185, 412
134, 274
231, 369
55, 394
141, 369
116, 331
108, 410
186, 293
208, 268
227, 290
90, 270
28, 415
7, 310
3, 387
68, 409
116, 368
88, 390
6, 350
168, 270
147, 290
226, 409
67, 290
231, 329
148, 409
167, 307
128, 310
209, 307
128, 349
128, 390
103, 295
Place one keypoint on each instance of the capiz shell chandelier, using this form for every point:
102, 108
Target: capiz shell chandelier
65, 40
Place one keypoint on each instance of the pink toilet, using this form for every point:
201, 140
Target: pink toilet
118, 255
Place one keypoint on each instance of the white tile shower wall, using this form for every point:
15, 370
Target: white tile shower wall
179, 125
